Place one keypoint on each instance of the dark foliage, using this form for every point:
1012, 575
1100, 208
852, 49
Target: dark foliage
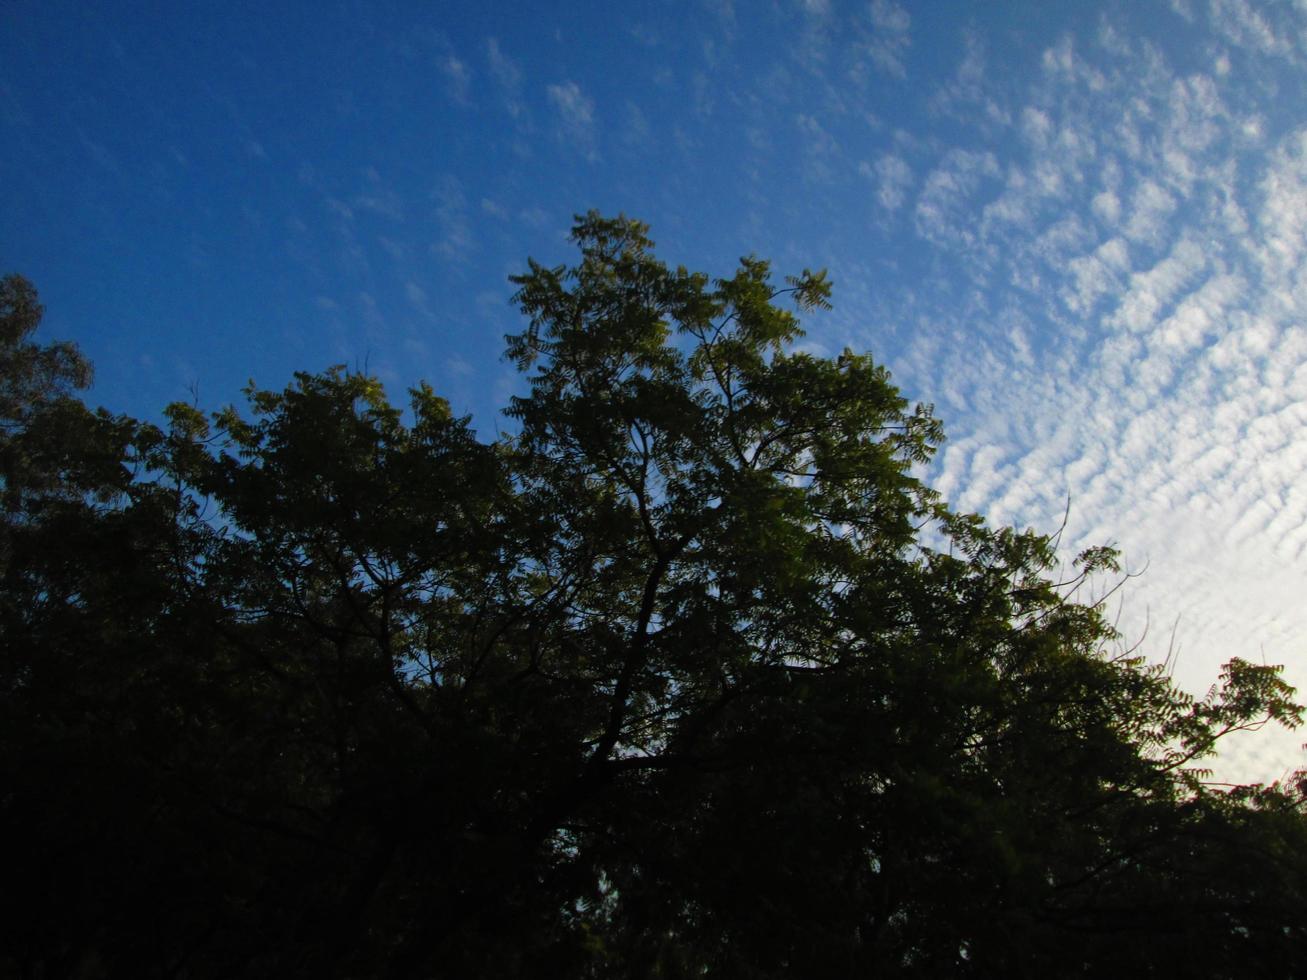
690, 677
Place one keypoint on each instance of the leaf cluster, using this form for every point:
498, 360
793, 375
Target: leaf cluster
690, 676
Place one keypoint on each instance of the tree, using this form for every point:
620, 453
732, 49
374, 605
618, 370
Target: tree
691, 675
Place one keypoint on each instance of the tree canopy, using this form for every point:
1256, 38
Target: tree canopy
690, 675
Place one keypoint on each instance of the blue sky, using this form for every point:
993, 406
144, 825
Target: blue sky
1079, 229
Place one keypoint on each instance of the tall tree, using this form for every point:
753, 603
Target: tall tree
689, 676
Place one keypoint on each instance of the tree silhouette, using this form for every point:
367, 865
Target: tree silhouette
689, 676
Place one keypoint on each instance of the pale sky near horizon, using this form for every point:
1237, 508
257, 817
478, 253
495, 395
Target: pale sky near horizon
1079, 229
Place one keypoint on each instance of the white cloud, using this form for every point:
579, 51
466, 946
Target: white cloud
458, 77
1036, 126
890, 36
507, 75
893, 179
576, 113
1107, 206
1158, 372
1094, 276
966, 95
637, 130
379, 199
1242, 25
1150, 208
417, 297
888, 16
1282, 221
819, 147
944, 209
1151, 291
1061, 63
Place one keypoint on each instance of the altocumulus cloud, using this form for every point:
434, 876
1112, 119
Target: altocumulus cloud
1141, 218
576, 112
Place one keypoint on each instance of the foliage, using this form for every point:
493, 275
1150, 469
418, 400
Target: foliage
691, 676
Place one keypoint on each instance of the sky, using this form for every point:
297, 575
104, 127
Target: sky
1078, 229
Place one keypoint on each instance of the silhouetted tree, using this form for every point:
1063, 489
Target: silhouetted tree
691, 676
